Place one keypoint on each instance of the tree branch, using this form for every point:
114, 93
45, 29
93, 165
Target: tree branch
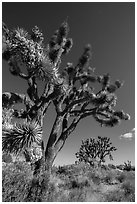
20, 113
75, 102
61, 140
32, 90
23, 76
54, 132
9, 99
84, 78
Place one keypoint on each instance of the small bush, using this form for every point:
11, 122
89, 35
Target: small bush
121, 167
15, 182
121, 177
127, 166
129, 189
94, 177
77, 195
133, 168
38, 188
108, 178
62, 170
105, 167
115, 196
111, 166
76, 182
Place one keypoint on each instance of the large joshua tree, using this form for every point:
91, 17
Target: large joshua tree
69, 90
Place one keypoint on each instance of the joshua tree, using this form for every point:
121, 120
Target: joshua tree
93, 150
69, 90
127, 166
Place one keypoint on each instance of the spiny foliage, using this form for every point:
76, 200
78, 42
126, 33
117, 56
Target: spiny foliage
27, 49
69, 89
21, 136
93, 150
127, 166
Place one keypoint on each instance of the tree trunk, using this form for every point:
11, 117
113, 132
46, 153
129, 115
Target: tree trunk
54, 145
45, 163
50, 156
40, 182
50, 153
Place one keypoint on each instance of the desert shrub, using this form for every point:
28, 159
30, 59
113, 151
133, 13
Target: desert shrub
54, 169
80, 169
126, 176
115, 196
108, 178
96, 179
101, 175
39, 188
73, 182
121, 166
93, 194
77, 195
127, 166
125, 194
121, 177
133, 168
51, 189
129, 190
105, 167
50, 194
111, 166
62, 170
19, 185
94, 176
79, 184
15, 182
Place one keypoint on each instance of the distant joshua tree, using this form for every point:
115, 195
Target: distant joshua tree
69, 90
95, 150
127, 166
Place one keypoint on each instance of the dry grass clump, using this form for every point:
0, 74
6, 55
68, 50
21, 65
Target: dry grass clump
126, 193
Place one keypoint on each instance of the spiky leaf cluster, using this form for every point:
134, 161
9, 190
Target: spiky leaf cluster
127, 166
92, 150
27, 51
21, 136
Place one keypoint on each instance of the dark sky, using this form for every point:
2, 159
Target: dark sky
110, 29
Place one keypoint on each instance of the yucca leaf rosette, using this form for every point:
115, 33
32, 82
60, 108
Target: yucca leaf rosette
21, 136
